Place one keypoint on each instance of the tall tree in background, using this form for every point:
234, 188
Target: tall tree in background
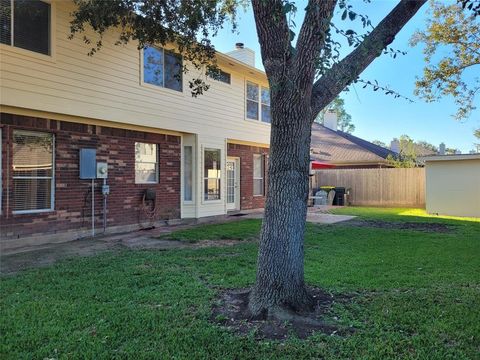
304, 76
452, 54
407, 155
380, 143
476, 133
344, 119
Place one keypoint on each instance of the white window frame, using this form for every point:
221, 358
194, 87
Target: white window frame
52, 184
262, 161
220, 161
157, 163
153, 86
51, 57
258, 101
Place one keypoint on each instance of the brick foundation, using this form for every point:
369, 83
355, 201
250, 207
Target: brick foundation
245, 153
73, 196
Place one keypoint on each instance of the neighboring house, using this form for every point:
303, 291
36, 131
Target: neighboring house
201, 156
345, 150
453, 184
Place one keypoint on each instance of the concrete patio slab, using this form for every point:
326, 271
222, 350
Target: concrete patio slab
327, 218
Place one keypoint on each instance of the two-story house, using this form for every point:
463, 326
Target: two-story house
199, 156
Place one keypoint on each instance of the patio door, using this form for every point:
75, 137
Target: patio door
233, 184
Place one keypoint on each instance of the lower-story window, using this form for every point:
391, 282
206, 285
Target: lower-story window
212, 174
258, 175
188, 173
146, 163
33, 171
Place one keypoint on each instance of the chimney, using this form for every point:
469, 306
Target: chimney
243, 54
441, 149
330, 120
395, 146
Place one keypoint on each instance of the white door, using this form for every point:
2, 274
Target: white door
233, 184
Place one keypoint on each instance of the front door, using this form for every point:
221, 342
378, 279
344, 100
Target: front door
233, 184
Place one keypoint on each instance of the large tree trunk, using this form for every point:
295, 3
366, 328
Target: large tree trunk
295, 99
280, 281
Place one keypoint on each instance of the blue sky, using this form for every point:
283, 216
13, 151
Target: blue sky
375, 115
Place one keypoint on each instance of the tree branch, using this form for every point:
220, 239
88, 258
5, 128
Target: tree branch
311, 37
274, 36
348, 69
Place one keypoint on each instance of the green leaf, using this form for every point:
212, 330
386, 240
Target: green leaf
344, 15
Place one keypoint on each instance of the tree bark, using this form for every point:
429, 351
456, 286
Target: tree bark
295, 101
280, 273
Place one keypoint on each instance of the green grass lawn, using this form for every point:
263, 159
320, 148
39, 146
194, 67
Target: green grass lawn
416, 295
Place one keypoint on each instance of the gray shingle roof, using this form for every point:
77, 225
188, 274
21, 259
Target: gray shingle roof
340, 147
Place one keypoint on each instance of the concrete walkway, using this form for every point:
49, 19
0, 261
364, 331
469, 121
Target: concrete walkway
45, 255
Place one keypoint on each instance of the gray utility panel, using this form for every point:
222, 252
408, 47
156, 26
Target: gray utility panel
88, 163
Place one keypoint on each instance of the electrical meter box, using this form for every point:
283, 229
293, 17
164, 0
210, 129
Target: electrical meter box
88, 163
102, 170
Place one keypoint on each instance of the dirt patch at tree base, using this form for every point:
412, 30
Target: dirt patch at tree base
231, 311
417, 226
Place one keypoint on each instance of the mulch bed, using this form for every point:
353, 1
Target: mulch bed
417, 226
231, 311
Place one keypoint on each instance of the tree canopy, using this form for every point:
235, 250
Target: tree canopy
452, 55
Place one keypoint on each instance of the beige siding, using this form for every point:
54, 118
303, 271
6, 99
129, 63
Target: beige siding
453, 187
107, 86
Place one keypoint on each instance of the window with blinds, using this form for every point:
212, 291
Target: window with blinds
146, 163
30, 28
33, 171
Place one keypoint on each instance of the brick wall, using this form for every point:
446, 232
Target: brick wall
245, 153
73, 196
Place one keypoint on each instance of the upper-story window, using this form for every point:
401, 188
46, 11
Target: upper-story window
222, 76
26, 24
258, 102
162, 68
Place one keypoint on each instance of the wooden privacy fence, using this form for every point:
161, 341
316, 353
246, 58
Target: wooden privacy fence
377, 187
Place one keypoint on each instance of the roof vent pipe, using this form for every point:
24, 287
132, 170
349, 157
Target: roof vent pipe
239, 45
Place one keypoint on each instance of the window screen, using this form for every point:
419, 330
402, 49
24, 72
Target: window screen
33, 173
221, 76
5, 22
31, 25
